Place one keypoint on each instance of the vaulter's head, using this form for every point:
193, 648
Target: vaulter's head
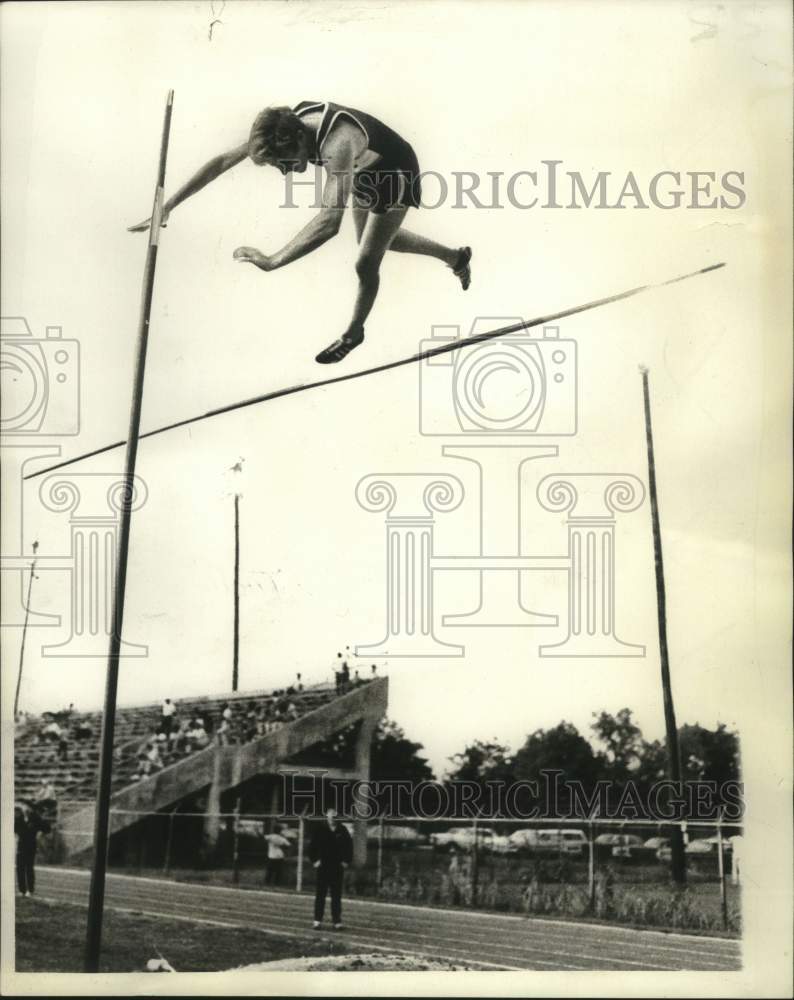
280, 139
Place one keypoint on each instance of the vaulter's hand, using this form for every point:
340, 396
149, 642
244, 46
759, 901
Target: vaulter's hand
143, 227
253, 256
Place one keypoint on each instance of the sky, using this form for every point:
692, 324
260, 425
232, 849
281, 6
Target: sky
498, 87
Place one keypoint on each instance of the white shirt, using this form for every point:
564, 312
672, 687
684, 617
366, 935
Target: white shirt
168, 709
275, 843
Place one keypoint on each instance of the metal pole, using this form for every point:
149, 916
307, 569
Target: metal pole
721, 870
474, 866
96, 899
24, 633
236, 845
591, 868
678, 860
380, 853
236, 653
299, 873
167, 863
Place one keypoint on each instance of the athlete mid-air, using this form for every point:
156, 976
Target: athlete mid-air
361, 156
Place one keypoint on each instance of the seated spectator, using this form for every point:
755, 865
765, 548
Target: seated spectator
51, 731
45, 797
167, 712
176, 738
197, 737
153, 756
144, 767
63, 745
82, 730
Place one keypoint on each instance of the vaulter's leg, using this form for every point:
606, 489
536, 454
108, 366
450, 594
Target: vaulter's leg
408, 242
374, 240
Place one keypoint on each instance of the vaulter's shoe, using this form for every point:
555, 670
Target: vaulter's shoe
340, 348
462, 267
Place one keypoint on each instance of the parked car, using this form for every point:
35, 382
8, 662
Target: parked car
545, 841
396, 836
627, 846
708, 845
462, 838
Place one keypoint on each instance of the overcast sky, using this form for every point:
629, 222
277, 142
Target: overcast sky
83, 95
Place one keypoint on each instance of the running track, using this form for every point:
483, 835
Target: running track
493, 941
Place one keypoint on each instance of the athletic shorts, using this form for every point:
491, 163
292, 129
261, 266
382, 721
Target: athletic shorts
379, 189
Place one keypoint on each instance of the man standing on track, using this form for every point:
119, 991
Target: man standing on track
331, 851
362, 157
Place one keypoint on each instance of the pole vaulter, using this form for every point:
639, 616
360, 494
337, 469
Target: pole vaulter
421, 356
96, 899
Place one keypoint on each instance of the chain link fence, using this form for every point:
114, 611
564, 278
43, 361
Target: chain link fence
603, 869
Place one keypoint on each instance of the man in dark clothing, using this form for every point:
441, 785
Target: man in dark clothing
27, 824
331, 852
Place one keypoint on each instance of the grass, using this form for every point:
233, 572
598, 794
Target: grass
50, 937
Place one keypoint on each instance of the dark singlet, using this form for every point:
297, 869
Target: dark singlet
393, 178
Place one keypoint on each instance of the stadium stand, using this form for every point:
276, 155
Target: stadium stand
266, 729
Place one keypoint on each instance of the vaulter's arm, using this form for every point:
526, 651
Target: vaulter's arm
209, 172
336, 192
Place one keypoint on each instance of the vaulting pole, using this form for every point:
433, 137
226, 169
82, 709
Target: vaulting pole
678, 860
236, 650
24, 632
96, 898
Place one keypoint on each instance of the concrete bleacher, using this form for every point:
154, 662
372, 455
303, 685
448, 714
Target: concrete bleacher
75, 779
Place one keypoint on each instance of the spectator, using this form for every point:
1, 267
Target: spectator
250, 722
63, 745
27, 826
82, 730
144, 766
299, 684
345, 681
45, 797
277, 843
52, 731
167, 712
374, 669
175, 738
223, 733
356, 679
331, 852
338, 673
226, 712
197, 737
153, 756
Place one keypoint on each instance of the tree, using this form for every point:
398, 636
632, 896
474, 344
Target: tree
709, 754
396, 757
622, 741
562, 748
482, 761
